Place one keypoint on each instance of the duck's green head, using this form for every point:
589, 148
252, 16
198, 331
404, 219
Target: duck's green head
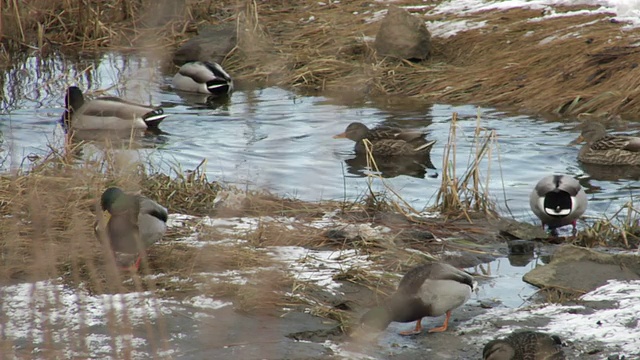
73, 99
110, 197
377, 318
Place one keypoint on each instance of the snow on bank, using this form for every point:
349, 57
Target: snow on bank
626, 11
616, 327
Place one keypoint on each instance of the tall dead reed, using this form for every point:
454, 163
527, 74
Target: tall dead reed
459, 195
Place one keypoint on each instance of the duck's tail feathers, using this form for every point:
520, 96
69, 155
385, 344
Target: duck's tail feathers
426, 147
154, 117
219, 86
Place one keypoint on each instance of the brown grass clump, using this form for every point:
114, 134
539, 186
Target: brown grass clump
460, 195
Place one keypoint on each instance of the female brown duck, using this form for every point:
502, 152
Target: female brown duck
387, 141
604, 149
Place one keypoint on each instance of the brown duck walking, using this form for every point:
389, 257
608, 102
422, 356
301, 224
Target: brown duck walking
387, 141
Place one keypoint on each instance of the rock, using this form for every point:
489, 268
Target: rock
212, 43
403, 36
577, 269
512, 229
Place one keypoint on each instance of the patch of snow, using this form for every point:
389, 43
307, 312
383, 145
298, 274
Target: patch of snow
205, 302
617, 327
339, 350
445, 29
318, 266
46, 312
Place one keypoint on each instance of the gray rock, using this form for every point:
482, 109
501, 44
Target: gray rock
213, 43
403, 35
576, 269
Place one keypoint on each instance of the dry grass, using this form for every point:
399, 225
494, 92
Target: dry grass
466, 193
620, 229
531, 66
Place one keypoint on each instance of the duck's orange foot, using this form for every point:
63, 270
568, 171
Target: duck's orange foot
415, 331
409, 332
438, 329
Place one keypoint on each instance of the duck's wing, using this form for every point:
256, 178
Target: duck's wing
152, 221
113, 107
414, 278
613, 142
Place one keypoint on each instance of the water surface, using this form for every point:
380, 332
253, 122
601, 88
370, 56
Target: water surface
275, 139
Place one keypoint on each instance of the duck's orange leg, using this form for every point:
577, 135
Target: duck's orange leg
444, 326
415, 331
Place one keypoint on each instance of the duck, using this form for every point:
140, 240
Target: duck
558, 200
136, 222
203, 77
387, 141
431, 289
524, 345
108, 113
605, 149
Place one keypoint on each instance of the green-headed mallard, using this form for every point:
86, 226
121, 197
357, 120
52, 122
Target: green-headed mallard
524, 345
108, 113
387, 141
203, 77
604, 149
430, 289
136, 222
558, 200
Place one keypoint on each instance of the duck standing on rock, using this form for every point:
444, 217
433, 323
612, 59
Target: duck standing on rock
524, 345
136, 222
203, 77
558, 200
604, 149
108, 113
387, 141
431, 289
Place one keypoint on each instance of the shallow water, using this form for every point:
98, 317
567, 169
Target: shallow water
274, 139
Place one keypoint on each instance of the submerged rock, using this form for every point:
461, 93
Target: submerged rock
403, 36
212, 43
577, 269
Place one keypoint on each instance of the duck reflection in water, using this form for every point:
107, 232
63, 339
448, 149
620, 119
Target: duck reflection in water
396, 152
391, 167
204, 101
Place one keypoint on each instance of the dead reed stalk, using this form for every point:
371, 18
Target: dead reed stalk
460, 195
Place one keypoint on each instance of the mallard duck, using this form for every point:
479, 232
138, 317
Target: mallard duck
108, 113
136, 222
430, 289
387, 141
524, 345
604, 149
558, 200
203, 77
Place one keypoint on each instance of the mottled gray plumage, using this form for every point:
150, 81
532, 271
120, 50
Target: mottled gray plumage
524, 345
108, 113
431, 289
387, 141
558, 200
203, 77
